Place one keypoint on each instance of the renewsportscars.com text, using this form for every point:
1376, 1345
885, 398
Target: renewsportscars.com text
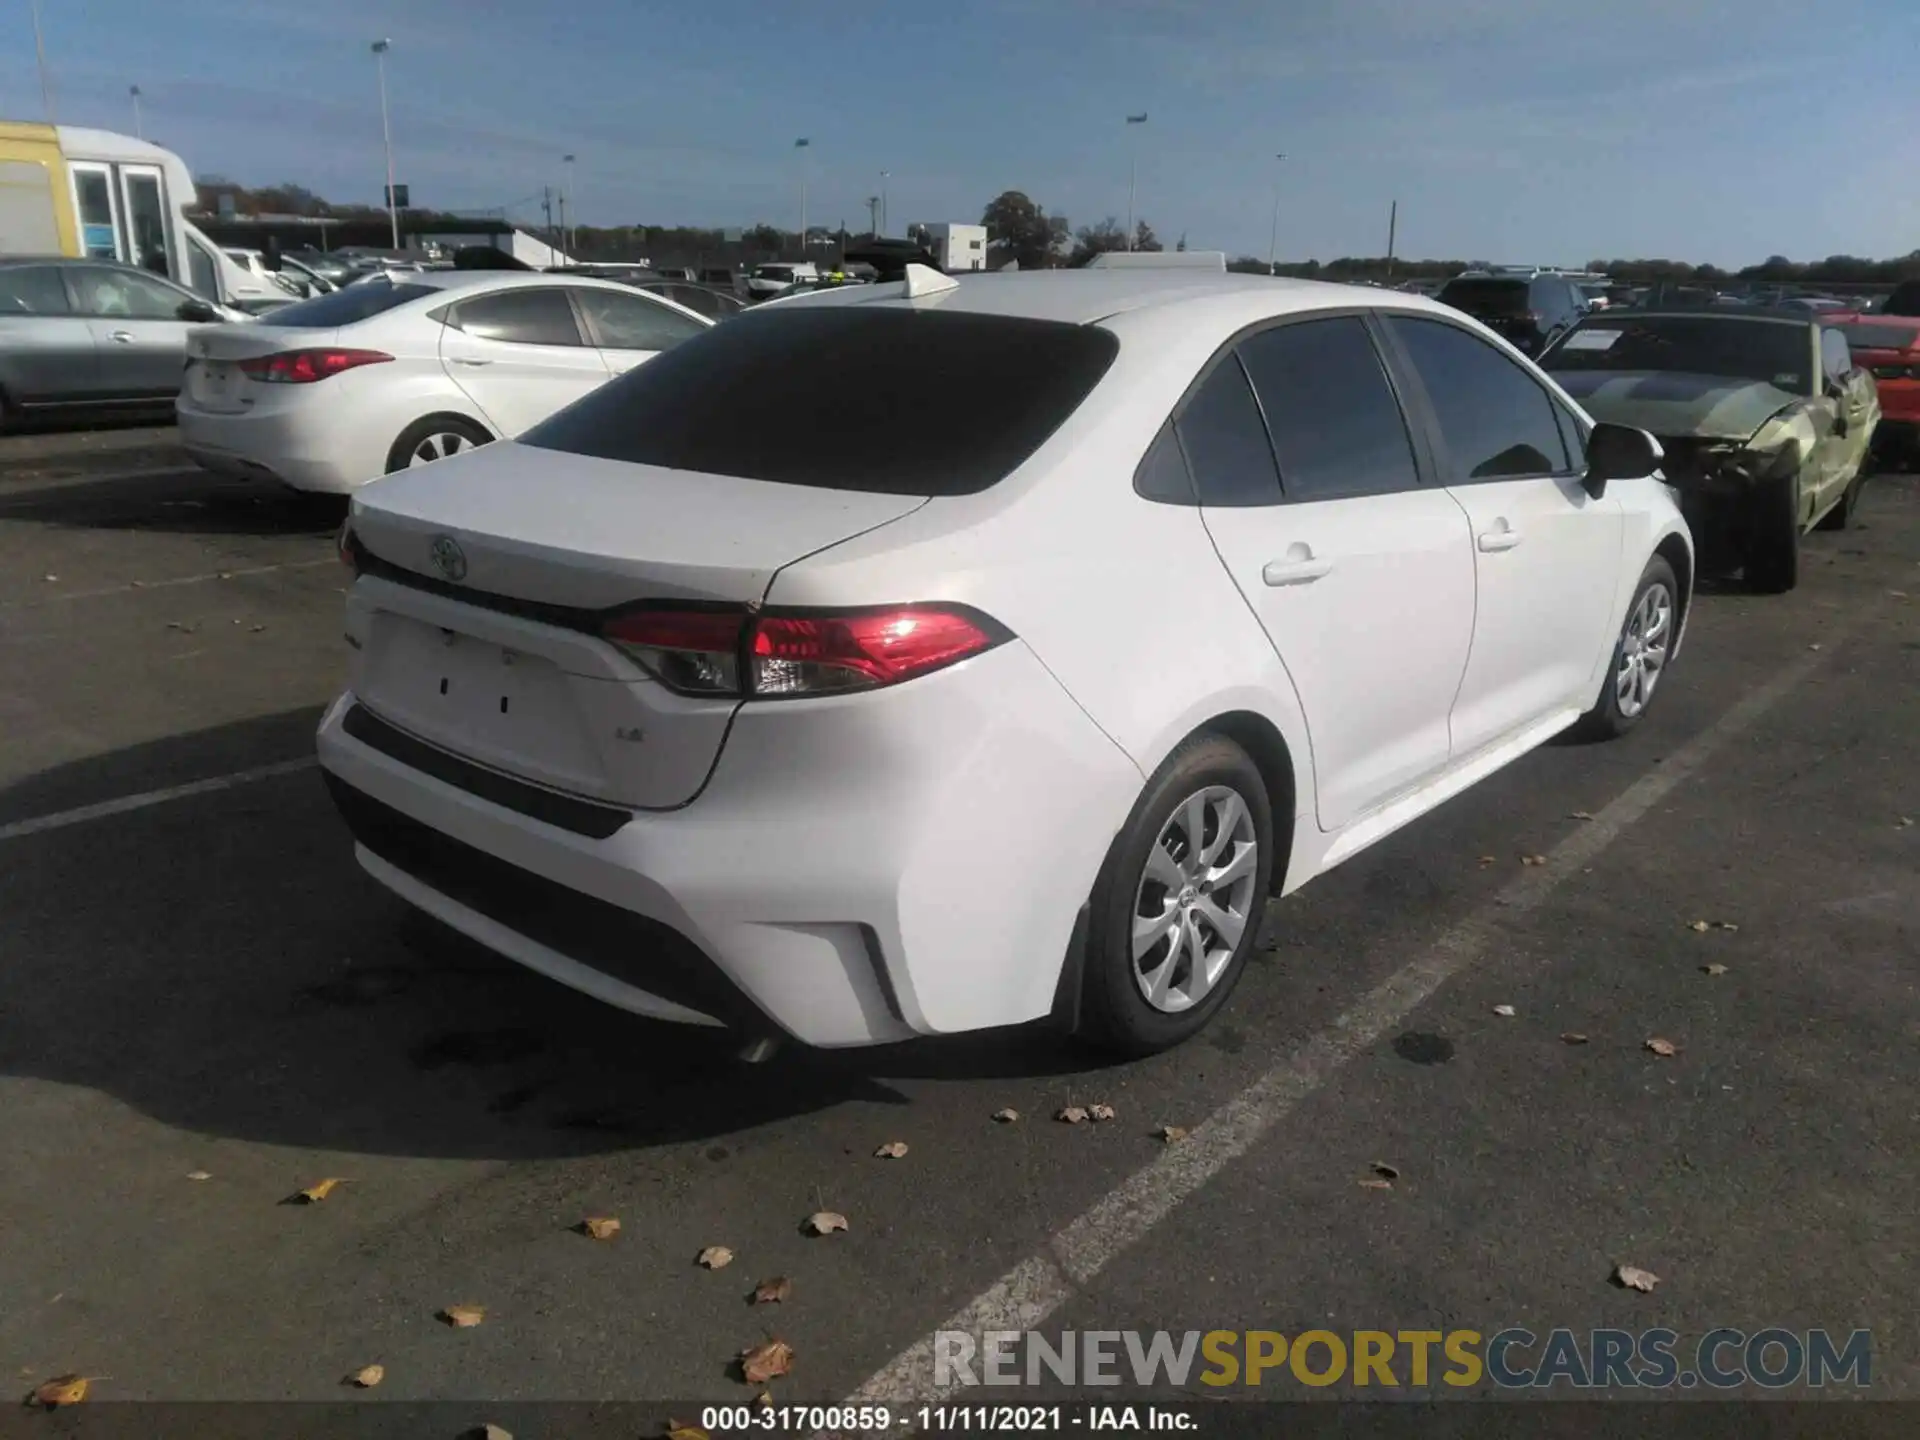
1514, 1358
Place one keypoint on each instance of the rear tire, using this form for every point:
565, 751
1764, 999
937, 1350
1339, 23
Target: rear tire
1174, 914
1646, 636
438, 437
1773, 550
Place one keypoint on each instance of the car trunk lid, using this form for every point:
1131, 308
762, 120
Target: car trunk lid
486, 580
214, 380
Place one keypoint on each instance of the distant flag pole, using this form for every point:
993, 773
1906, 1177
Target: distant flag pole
1133, 175
801, 144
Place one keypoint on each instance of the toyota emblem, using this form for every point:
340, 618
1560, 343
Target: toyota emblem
448, 558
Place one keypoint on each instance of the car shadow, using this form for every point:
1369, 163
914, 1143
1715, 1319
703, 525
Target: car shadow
190, 502
219, 963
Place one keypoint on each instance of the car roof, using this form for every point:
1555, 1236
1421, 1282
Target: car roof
1084, 297
455, 281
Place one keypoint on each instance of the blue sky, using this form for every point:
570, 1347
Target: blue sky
1511, 130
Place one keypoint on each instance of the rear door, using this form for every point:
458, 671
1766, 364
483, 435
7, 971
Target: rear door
46, 351
1856, 410
1361, 576
629, 326
519, 354
139, 338
1546, 554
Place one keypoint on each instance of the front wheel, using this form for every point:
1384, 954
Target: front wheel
1841, 515
1178, 903
1640, 656
1773, 549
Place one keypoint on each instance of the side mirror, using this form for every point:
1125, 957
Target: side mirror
1619, 452
198, 312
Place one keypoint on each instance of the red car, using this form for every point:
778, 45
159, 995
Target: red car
1889, 346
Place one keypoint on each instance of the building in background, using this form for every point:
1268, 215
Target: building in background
956, 247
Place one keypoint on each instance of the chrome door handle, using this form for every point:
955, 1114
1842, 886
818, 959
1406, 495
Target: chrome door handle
1295, 572
462, 360
125, 337
1501, 539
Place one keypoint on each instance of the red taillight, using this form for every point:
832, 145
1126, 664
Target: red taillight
303, 367
774, 654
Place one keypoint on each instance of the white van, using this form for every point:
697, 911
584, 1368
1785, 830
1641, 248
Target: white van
778, 277
65, 190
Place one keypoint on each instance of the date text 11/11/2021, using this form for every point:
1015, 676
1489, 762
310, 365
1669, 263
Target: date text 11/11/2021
941, 1419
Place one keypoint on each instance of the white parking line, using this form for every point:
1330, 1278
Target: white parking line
1036, 1287
40, 824
132, 585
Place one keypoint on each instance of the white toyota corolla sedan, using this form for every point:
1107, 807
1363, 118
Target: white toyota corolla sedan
948, 654
329, 393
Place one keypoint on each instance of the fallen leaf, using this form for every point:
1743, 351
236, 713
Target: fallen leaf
1101, 1112
255, 629
315, 1192
1533, 859
681, 1430
1813, 647
1572, 1037
1486, 860
1072, 1115
61, 1390
489, 1431
892, 1150
1897, 594
599, 1227
368, 1376
767, 1361
1725, 925
226, 574
199, 1175
1580, 815
825, 1222
49, 578
1007, 1116
766, 1398
1699, 925
1505, 1012
463, 1317
1631, 1277
1713, 969
715, 1257
1904, 822
772, 1292
1666, 1049
1171, 1133
1384, 1170
1376, 1184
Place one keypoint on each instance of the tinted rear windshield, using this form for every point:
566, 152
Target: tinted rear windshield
891, 401
1486, 297
344, 306
1775, 351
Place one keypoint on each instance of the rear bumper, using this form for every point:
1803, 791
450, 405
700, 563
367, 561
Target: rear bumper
276, 445
858, 870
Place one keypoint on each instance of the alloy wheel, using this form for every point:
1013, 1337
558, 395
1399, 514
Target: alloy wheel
1643, 650
1194, 899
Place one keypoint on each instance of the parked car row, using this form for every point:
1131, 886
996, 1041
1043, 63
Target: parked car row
810, 726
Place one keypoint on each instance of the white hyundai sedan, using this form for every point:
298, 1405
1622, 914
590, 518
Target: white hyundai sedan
332, 392
1032, 633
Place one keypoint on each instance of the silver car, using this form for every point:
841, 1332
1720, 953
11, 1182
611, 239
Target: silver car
79, 335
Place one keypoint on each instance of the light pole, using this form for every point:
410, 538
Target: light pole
884, 174
1133, 174
566, 194
40, 54
1273, 233
139, 128
801, 144
873, 216
380, 49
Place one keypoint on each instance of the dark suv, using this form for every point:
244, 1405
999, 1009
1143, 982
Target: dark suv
1525, 310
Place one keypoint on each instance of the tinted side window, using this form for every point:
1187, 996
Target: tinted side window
633, 322
32, 290
1495, 419
1570, 435
1336, 426
124, 294
1226, 441
1836, 357
1163, 473
519, 317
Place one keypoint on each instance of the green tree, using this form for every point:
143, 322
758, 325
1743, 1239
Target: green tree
1022, 230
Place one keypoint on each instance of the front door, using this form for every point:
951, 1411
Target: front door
138, 335
519, 355
1546, 554
1361, 576
143, 201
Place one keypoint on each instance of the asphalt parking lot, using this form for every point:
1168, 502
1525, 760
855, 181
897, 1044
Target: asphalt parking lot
198, 981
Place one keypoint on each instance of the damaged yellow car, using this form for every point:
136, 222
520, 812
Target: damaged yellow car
1765, 419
